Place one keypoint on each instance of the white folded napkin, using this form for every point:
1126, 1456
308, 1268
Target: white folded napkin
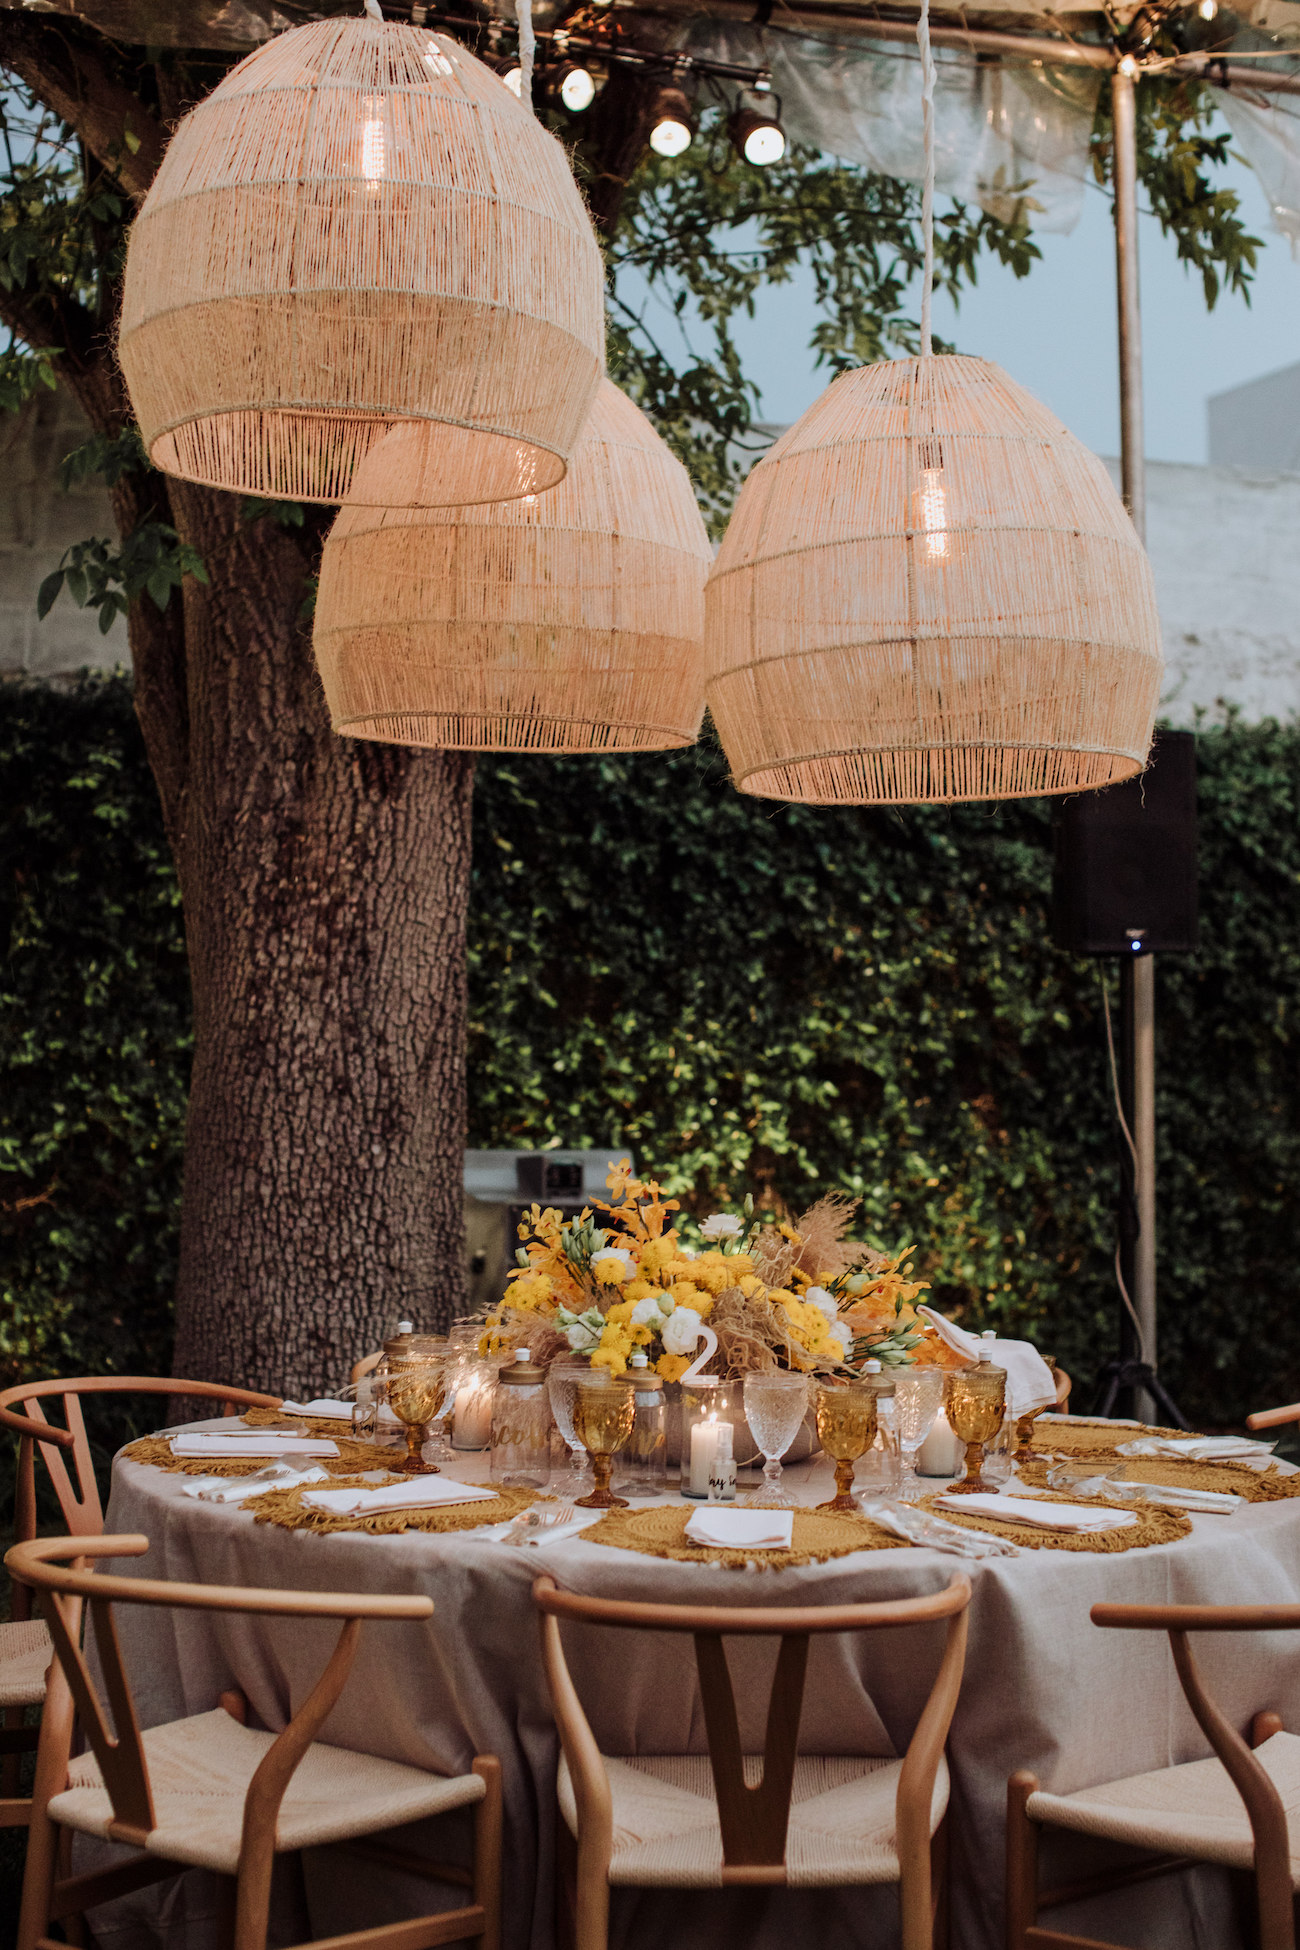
276, 1476
1040, 1516
337, 1411
258, 1442
1201, 1502
1029, 1379
229, 1430
421, 1493
1202, 1448
754, 1530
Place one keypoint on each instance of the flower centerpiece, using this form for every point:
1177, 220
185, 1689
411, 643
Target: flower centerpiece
624, 1274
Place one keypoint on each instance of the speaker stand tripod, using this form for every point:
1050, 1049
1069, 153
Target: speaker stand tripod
1126, 1377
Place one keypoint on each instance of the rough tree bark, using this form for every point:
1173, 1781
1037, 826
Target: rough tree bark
325, 885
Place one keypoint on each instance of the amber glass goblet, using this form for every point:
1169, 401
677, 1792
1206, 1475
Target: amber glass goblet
416, 1385
976, 1405
846, 1425
603, 1417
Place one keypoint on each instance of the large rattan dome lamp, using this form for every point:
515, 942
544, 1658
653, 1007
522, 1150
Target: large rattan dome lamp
930, 590
360, 226
568, 622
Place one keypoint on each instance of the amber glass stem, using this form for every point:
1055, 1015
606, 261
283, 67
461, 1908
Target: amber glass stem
413, 1462
602, 1497
843, 1497
974, 1465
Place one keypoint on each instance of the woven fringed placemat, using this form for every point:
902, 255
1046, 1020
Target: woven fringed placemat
1155, 1525
1081, 1435
275, 1418
1232, 1478
818, 1535
285, 1508
353, 1457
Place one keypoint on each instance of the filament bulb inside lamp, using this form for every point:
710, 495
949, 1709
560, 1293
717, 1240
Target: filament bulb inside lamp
755, 129
934, 500
372, 141
513, 77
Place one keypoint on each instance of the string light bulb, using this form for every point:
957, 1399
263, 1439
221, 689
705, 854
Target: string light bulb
513, 78
934, 500
1208, 9
672, 125
372, 142
755, 128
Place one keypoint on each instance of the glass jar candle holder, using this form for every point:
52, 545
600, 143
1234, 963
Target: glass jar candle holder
521, 1427
642, 1468
975, 1403
476, 1383
707, 1404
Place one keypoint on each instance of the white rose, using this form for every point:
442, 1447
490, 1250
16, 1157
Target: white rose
581, 1336
682, 1331
817, 1296
721, 1225
647, 1312
838, 1332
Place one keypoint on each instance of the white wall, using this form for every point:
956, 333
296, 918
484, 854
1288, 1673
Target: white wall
37, 522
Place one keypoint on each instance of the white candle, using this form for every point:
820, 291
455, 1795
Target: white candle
941, 1453
472, 1419
704, 1447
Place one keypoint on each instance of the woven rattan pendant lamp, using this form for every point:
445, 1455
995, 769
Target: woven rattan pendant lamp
930, 590
572, 621
360, 226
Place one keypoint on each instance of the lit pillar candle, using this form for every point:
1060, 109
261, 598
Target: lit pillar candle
704, 1448
472, 1418
941, 1453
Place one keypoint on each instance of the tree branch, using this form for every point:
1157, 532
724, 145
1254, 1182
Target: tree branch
66, 71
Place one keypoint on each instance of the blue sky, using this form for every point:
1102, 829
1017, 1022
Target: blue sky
1055, 331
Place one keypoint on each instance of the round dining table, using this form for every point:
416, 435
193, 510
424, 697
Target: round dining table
1044, 1689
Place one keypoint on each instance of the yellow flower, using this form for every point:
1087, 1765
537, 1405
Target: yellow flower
656, 1254
609, 1357
531, 1292
638, 1289
619, 1314
687, 1294
718, 1271
609, 1270
672, 1366
752, 1287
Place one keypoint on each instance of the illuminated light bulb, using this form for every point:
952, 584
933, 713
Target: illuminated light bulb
514, 81
372, 143
578, 90
670, 137
1208, 9
435, 58
764, 144
934, 511
1128, 67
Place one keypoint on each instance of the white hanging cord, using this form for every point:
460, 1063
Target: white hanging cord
1132, 1147
927, 192
527, 51
375, 11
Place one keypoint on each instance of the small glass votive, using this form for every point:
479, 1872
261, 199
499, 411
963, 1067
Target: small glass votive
642, 1469
476, 1384
709, 1404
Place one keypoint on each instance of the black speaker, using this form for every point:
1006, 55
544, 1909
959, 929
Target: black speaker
1124, 869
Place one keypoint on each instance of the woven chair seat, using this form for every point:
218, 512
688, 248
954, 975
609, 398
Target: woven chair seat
199, 1771
25, 1655
1190, 1810
666, 1832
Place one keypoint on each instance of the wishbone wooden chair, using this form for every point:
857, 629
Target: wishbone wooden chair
1231, 1810
209, 1792
25, 1649
709, 1827
1274, 1418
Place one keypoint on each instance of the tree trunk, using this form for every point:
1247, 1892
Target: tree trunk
325, 883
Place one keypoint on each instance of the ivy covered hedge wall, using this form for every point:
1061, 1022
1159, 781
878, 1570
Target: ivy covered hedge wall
746, 995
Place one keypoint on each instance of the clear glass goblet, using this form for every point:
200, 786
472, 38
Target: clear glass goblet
563, 1378
775, 1405
918, 1397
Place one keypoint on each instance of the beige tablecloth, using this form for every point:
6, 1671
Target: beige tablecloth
1044, 1689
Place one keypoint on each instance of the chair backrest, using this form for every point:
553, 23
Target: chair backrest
755, 1819
366, 1365
76, 1488
42, 1565
1264, 1805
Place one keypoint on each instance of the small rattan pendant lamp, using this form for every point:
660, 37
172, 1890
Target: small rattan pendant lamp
361, 226
572, 621
930, 590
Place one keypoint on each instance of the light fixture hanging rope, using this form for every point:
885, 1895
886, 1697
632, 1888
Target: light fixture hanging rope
360, 227
930, 590
927, 185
